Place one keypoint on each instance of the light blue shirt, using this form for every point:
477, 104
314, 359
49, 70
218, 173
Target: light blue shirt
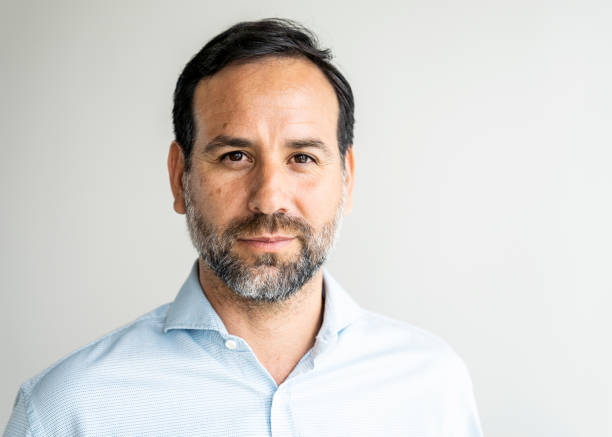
177, 372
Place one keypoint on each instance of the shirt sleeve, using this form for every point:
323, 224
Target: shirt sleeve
18, 424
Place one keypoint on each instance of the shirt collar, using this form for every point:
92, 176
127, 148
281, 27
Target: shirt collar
192, 310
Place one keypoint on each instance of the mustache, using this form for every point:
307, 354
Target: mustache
269, 223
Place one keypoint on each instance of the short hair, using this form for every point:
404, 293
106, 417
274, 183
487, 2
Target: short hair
252, 40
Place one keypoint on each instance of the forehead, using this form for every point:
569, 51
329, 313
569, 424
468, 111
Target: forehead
281, 93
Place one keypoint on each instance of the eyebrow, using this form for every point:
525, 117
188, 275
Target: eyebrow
306, 143
222, 141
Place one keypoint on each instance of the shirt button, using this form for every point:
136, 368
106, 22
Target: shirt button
230, 344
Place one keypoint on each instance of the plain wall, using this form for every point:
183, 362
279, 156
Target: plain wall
483, 192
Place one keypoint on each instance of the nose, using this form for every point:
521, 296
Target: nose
269, 192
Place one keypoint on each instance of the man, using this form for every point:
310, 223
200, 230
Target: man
259, 341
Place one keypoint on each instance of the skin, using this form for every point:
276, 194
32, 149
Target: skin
284, 112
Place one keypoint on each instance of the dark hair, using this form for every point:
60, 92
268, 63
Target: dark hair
251, 40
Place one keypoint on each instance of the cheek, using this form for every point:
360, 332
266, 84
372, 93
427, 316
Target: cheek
220, 201
320, 199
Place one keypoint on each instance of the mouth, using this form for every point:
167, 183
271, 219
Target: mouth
267, 243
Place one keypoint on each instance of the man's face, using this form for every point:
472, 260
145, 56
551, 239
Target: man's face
266, 190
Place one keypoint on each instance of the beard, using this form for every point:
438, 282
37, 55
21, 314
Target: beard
268, 277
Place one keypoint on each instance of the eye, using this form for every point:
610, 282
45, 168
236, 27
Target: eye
235, 160
234, 156
302, 158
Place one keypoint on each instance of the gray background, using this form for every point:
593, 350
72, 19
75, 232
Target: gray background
482, 208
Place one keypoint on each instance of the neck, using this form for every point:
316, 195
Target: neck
279, 333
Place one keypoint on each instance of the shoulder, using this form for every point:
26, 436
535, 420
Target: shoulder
69, 379
98, 351
418, 373
403, 345
387, 330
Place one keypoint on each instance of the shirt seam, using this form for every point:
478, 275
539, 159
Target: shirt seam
33, 424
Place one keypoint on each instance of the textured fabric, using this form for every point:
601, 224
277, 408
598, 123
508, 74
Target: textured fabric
177, 372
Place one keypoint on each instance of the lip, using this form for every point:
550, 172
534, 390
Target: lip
268, 243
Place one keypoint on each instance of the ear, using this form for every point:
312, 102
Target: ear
176, 167
349, 179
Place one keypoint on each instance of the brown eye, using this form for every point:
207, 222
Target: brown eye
235, 156
301, 158
236, 159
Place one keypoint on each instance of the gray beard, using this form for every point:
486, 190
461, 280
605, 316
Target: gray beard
268, 279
